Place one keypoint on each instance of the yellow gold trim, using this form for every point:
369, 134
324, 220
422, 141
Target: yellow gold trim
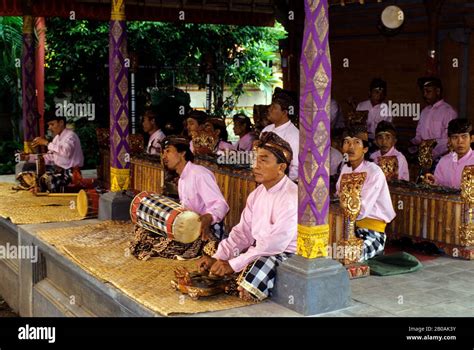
372, 224
27, 147
118, 10
28, 24
119, 179
312, 241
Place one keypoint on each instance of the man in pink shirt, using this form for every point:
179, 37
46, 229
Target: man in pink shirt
266, 233
378, 110
385, 139
152, 127
376, 205
450, 167
197, 186
64, 156
434, 118
244, 129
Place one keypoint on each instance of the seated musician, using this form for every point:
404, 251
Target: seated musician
448, 172
385, 139
197, 186
216, 127
434, 118
375, 105
376, 205
283, 105
244, 129
63, 158
151, 126
195, 123
266, 233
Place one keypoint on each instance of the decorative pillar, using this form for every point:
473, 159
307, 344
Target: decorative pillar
118, 100
115, 205
30, 121
308, 282
40, 26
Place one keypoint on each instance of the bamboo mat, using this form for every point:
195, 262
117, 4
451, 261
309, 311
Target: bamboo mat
23, 207
102, 251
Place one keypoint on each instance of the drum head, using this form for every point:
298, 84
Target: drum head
135, 204
392, 17
82, 203
186, 227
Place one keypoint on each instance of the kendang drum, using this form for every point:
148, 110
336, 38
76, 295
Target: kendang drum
87, 203
165, 217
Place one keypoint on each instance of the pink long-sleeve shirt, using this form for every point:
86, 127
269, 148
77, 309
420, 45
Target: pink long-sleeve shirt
290, 133
433, 124
64, 151
375, 116
245, 143
268, 226
198, 191
375, 195
449, 169
403, 173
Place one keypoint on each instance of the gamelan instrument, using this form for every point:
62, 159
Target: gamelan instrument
165, 217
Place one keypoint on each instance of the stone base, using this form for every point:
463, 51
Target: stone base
114, 206
358, 270
312, 286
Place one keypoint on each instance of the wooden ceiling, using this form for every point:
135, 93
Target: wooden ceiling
240, 12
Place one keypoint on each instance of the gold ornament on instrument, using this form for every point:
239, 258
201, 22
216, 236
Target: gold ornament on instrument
389, 166
204, 142
349, 196
467, 194
425, 157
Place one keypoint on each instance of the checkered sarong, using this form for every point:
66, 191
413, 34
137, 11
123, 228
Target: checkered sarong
55, 181
258, 278
374, 242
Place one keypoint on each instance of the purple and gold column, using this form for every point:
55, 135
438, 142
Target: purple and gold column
30, 121
118, 84
315, 98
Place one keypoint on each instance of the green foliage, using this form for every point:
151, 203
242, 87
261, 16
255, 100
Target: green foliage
86, 131
7, 156
78, 52
11, 42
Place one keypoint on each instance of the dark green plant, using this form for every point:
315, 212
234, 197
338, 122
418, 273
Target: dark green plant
8, 149
11, 42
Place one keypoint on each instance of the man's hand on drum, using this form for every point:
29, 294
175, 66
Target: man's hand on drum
429, 179
221, 268
205, 262
206, 221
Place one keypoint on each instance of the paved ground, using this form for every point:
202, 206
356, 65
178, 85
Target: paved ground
443, 288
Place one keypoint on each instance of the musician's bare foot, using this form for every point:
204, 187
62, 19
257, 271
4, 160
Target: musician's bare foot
244, 295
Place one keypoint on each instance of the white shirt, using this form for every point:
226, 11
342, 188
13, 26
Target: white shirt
154, 146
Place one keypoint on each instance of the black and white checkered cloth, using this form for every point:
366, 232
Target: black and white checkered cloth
374, 242
258, 278
55, 181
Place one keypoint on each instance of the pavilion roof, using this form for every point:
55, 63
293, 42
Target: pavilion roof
239, 12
